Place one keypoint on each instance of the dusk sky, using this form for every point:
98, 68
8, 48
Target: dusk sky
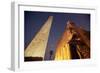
35, 20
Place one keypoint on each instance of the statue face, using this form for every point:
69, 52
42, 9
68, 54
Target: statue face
69, 35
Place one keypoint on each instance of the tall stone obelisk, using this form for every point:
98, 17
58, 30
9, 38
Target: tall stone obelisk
37, 47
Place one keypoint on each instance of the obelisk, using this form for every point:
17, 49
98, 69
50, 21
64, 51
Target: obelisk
37, 46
